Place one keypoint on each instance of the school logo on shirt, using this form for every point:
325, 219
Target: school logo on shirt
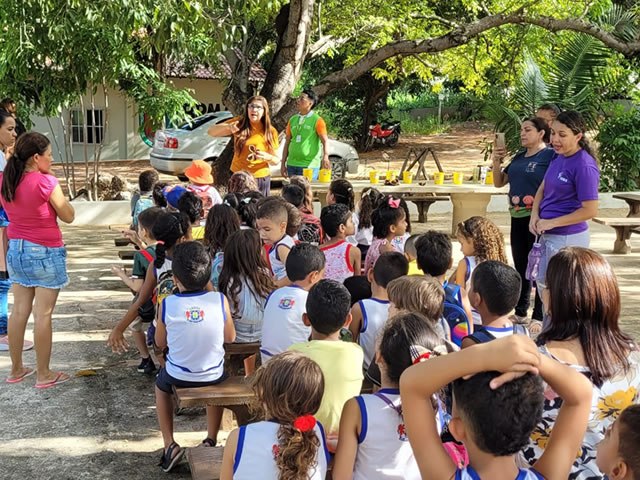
402, 433
194, 315
275, 451
286, 303
562, 177
531, 167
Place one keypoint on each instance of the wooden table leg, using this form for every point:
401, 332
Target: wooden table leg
467, 205
623, 240
634, 208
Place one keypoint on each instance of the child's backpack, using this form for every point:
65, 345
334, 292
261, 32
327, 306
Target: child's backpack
310, 230
454, 314
482, 335
203, 194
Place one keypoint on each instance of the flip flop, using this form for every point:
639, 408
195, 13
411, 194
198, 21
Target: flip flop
56, 381
30, 371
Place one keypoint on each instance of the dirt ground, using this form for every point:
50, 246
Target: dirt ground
104, 426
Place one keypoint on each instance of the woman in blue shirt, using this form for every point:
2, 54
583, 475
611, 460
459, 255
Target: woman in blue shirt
524, 175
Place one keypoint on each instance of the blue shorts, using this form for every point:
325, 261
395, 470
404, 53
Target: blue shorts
165, 382
33, 265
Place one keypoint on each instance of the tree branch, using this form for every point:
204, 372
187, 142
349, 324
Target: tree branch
323, 45
462, 35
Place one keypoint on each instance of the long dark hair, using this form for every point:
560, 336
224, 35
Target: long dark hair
245, 126
585, 304
27, 145
342, 191
222, 221
368, 201
574, 121
244, 260
168, 230
541, 126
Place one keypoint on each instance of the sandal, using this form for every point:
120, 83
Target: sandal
169, 460
209, 442
28, 373
60, 378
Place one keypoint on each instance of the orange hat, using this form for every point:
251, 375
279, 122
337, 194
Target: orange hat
199, 172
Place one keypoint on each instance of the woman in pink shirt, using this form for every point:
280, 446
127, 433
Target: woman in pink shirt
36, 259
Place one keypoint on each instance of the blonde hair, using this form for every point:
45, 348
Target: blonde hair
289, 386
417, 294
488, 240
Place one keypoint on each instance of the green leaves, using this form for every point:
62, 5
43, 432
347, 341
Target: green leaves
619, 152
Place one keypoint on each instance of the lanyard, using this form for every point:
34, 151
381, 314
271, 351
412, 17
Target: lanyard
389, 402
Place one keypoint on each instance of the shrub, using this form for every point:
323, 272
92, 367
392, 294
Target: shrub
619, 152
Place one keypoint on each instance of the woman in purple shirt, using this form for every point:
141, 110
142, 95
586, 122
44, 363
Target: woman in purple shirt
568, 196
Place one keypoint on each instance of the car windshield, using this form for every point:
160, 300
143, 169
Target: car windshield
199, 121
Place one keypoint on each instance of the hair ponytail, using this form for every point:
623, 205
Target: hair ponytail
27, 145
368, 201
297, 452
586, 146
168, 229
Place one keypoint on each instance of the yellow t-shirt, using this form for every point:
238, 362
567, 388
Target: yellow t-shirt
259, 169
413, 268
197, 233
341, 364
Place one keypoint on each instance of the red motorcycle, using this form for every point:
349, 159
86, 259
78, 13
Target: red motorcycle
386, 135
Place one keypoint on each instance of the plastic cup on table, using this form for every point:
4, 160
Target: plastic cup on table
391, 175
407, 177
458, 178
438, 178
373, 177
324, 175
307, 173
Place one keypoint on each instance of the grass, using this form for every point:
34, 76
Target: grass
421, 126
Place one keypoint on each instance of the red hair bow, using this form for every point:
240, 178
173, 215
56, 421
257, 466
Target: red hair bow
424, 356
394, 203
304, 423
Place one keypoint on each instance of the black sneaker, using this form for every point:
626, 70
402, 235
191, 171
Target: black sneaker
147, 366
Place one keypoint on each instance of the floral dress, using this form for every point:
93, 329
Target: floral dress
617, 393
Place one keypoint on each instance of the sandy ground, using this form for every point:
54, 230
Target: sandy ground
104, 426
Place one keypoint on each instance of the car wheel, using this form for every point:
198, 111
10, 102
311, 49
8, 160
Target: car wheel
338, 167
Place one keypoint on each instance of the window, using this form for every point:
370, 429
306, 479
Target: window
89, 126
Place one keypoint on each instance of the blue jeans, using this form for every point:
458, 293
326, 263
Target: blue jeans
33, 265
291, 171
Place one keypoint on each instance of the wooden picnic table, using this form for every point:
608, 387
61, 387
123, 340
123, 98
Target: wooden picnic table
633, 200
468, 199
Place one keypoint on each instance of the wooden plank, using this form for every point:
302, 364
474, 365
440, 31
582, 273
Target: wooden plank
241, 348
205, 462
118, 227
126, 254
232, 392
121, 242
633, 200
618, 222
634, 197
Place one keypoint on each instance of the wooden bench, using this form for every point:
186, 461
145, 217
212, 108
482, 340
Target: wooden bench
205, 462
424, 202
623, 227
235, 353
121, 242
126, 254
633, 200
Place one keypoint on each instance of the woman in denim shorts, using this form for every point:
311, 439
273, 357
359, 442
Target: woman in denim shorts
36, 258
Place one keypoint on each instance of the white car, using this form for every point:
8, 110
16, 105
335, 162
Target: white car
174, 149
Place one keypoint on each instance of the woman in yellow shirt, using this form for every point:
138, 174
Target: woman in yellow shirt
255, 141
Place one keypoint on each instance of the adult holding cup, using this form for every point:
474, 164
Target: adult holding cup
36, 258
255, 141
568, 195
524, 174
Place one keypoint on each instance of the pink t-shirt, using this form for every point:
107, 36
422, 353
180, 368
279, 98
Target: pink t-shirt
31, 216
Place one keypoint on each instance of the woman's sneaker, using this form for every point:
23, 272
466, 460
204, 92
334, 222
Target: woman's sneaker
147, 366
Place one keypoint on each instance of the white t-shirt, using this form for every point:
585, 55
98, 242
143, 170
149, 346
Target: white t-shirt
3, 161
374, 315
278, 267
283, 325
352, 239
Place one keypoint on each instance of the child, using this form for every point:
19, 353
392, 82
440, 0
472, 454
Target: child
370, 315
412, 255
141, 261
159, 199
341, 191
368, 201
246, 282
480, 239
199, 174
389, 221
343, 260
359, 288
373, 441
194, 325
248, 209
340, 362
303, 182
168, 230
143, 199
494, 293
494, 414
294, 218
272, 226
310, 229
433, 252
618, 453
284, 308
288, 442
222, 221
399, 242
191, 205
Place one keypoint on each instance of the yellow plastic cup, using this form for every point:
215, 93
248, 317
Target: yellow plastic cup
438, 178
307, 173
373, 177
391, 175
407, 177
458, 179
489, 178
325, 175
